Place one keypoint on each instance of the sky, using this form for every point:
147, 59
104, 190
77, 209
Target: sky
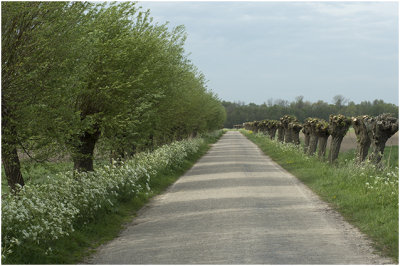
256, 51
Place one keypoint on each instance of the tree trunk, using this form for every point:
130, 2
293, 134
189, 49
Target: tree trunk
307, 133
295, 129
322, 142
272, 133
363, 138
281, 133
382, 128
338, 127
194, 134
321, 129
313, 144
83, 157
362, 149
378, 148
9, 155
335, 148
306, 142
288, 135
296, 138
12, 168
286, 120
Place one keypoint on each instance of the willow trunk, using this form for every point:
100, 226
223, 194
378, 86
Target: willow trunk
83, 157
281, 134
9, 154
363, 140
362, 150
296, 137
288, 135
272, 133
335, 148
306, 142
322, 142
312, 147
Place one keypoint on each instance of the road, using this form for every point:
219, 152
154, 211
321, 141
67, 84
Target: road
236, 206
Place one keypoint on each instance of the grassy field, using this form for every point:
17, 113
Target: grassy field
107, 223
365, 196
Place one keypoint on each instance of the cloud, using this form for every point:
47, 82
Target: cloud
289, 45
355, 9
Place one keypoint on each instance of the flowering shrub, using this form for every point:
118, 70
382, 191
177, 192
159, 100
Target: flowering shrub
40, 213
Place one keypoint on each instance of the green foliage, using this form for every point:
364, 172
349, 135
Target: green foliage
78, 72
38, 70
366, 196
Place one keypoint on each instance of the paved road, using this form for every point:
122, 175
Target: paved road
236, 206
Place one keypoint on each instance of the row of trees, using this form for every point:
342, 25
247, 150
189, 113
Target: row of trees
80, 75
370, 131
238, 113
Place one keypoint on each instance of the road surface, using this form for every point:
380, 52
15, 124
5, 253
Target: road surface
236, 206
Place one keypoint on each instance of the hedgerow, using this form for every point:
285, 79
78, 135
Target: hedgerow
40, 213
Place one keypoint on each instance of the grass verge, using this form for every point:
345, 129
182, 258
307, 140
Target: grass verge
107, 223
367, 197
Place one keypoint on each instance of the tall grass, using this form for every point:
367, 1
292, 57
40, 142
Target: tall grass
365, 195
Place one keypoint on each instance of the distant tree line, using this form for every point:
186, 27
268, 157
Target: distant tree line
238, 113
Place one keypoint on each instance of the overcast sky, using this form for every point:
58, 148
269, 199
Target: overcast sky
254, 51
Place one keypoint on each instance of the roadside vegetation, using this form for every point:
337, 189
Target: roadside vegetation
366, 195
98, 104
62, 219
80, 77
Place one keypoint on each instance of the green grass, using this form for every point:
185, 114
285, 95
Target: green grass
359, 193
108, 222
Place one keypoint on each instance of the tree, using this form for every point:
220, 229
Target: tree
130, 64
363, 137
382, 128
312, 122
338, 127
281, 132
35, 69
295, 128
272, 126
339, 101
286, 120
322, 131
307, 134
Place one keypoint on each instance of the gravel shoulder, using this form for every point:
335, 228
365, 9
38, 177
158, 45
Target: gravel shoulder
236, 206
